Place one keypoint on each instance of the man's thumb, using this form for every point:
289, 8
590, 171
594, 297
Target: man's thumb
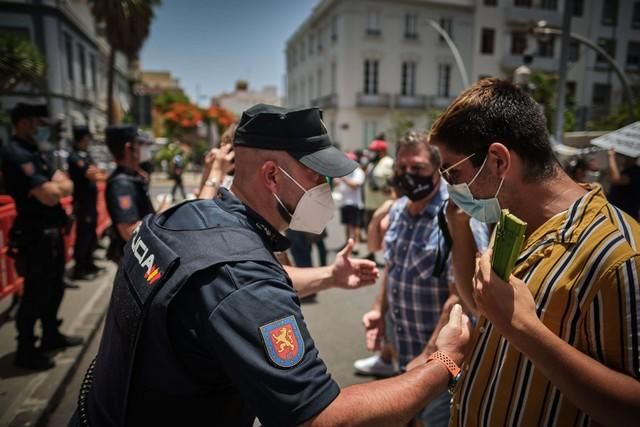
455, 317
346, 251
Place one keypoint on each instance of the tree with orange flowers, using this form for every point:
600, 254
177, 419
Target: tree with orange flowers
221, 117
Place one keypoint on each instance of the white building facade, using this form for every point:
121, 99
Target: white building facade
371, 64
75, 83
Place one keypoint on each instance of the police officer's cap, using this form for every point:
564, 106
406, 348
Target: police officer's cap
22, 111
120, 134
298, 131
80, 132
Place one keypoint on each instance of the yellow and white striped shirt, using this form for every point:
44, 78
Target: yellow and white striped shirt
583, 269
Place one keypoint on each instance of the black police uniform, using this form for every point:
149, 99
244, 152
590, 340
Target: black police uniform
85, 196
36, 240
204, 327
127, 201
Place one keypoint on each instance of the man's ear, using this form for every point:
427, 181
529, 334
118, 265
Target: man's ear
270, 176
499, 158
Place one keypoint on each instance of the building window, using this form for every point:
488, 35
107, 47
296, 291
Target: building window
333, 77
68, 47
549, 4
490, 2
609, 13
633, 56
411, 26
601, 94
311, 87
312, 44
302, 50
82, 62
408, 85
369, 131
578, 8
320, 37
488, 39
447, 26
609, 46
574, 50
334, 28
522, 3
570, 94
303, 92
319, 88
373, 22
518, 42
444, 80
371, 76
545, 48
92, 68
635, 17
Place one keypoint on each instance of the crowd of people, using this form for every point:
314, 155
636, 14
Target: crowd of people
205, 314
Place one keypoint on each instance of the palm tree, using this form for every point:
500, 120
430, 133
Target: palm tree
20, 62
127, 24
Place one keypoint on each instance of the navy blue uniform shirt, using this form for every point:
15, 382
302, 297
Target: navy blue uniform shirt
25, 168
85, 192
231, 325
127, 198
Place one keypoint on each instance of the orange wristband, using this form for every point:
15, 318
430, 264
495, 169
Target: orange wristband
451, 366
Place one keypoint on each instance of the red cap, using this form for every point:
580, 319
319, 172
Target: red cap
378, 145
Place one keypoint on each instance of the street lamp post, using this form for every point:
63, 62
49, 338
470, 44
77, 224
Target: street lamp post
543, 31
454, 50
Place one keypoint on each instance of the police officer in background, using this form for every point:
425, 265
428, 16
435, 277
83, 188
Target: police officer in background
204, 326
127, 198
84, 173
36, 237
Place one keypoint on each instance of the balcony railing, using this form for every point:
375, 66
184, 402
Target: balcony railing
327, 101
410, 101
528, 15
370, 100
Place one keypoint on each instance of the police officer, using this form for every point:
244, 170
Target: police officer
204, 326
127, 198
36, 237
84, 173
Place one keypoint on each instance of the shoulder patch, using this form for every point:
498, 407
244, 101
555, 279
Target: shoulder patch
124, 202
28, 168
283, 342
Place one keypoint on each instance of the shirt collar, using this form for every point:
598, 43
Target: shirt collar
568, 226
276, 241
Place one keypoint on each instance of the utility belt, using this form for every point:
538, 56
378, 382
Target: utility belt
27, 244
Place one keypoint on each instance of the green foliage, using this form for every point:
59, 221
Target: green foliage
400, 124
546, 87
163, 101
20, 62
198, 151
620, 115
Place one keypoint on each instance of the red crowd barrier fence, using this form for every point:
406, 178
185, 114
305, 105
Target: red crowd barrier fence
10, 282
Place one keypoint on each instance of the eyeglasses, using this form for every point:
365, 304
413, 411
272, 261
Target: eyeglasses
446, 174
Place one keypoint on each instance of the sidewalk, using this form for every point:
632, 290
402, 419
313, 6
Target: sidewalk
27, 397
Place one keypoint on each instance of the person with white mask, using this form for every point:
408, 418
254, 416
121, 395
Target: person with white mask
204, 323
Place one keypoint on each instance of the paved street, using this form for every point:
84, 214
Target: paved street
333, 319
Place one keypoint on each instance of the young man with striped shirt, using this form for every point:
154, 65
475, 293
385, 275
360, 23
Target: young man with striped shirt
558, 344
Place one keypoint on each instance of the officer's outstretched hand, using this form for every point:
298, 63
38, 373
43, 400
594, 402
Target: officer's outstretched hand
351, 273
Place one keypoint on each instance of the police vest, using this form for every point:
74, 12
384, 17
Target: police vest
136, 354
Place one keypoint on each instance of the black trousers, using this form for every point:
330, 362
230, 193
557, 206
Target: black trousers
178, 185
41, 262
85, 239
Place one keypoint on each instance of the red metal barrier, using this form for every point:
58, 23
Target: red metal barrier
10, 282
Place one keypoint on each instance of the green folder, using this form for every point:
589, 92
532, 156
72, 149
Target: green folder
507, 243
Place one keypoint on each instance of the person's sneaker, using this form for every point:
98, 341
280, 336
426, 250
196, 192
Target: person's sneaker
375, 366
83, 275
34, 359
60, 341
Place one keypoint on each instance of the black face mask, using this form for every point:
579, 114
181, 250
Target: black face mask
415, 187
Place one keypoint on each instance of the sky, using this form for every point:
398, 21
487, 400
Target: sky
209, 44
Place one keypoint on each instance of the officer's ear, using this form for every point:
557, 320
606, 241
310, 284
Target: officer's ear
270, 176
